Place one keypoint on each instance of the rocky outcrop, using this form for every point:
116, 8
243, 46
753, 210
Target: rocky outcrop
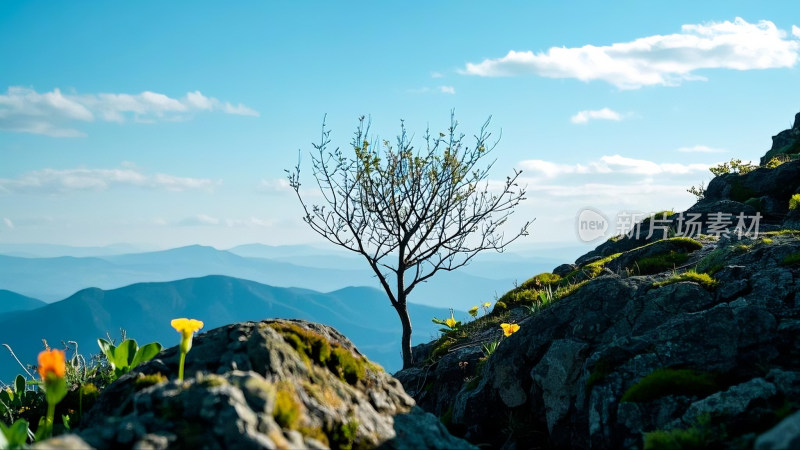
701, 348
564, 380
261, 385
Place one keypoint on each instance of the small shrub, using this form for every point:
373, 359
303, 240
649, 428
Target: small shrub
663, 382
794, 202
499, 306
777, 161
703, 279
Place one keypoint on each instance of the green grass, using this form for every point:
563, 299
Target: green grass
664, 382
543, 279
659, 263
703, 279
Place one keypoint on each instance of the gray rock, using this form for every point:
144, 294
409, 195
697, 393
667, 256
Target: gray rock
783, 436
284, 400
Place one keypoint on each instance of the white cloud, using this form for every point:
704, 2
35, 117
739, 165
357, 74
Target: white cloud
199, 220
659, 59
447, 89
796, 31
701, 149
51, 181
24, 110
274, 185
600, 114
610, 165
8, 222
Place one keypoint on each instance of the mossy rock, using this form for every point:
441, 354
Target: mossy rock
663, 382
656, 257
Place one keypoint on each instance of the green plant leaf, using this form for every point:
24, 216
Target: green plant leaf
55, 389
124, 353
108, 349
19, 385
15, 435
146, 353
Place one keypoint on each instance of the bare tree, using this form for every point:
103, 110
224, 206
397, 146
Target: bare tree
410, 212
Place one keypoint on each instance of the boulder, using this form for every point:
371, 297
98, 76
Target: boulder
260, 385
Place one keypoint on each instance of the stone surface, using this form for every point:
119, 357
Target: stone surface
784, 436
246, 387
559, 381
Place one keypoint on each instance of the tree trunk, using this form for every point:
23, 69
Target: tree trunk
402, 311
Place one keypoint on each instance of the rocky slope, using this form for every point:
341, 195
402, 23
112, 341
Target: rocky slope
660, 342
275, 384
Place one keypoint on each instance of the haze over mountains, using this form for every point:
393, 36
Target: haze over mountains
97, 290
144, 310
54, 278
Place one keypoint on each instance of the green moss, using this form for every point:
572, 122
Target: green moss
600, 371
714, 261
675, 439
143, 381
349, 367
766, 241
442, 347
754, 203
315, 348
212, 380
703, 279
794, 202
663, 382
343, 435
740, 192
700, 436
659, 263
473, 383
499, 306
566, 291
791, 259
447, 417
541, 280
593, 269
314, 433
784, 232
287, 406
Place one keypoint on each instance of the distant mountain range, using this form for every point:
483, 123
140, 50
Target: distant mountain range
309, 267
144, 311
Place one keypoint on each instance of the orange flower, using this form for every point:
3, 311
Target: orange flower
509, 328
52, 361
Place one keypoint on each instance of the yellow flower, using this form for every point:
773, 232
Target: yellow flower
451, 322
186, 327
473, 311
509, 328
52, 361
487, 304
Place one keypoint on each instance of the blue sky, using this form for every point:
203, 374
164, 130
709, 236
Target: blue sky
170, 123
